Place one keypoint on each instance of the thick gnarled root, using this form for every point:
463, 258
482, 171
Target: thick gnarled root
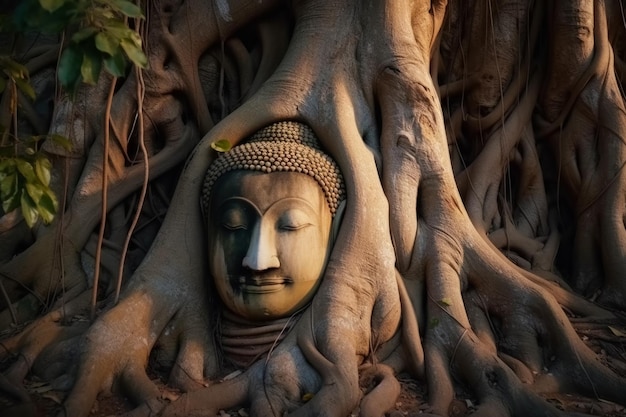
511, 342
583, 119
47, 348
291, 381
382, 390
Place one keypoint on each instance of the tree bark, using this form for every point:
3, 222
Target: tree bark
482, 145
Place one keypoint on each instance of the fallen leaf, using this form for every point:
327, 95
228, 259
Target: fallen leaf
221, 145
54, 396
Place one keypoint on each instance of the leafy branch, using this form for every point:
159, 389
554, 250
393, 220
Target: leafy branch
24, 171
25, 184
101, 38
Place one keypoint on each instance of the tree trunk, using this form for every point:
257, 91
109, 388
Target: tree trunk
482, 145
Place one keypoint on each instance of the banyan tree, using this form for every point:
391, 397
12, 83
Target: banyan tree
482, 244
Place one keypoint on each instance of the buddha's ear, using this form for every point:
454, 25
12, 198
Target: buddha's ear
334, 226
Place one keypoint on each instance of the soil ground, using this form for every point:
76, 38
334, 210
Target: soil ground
607, 341
411, 403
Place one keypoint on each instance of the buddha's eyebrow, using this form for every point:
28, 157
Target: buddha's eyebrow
300, 201
239, 201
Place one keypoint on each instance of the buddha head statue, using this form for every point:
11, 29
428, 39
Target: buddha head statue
269, 205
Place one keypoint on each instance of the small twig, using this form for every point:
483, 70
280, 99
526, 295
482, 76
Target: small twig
445, 311
14, 110
456, 347
22, 286
582, 366
5, 114
222, 67
105, 174
9, 304
144, 188
60, 239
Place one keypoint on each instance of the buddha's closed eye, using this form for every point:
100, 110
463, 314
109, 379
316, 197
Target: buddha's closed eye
293, 220
235, 219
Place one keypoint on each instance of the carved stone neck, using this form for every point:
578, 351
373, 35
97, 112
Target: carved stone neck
243, 341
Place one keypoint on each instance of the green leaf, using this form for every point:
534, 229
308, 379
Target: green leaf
134, 53
135, 39
84, 33
127, 8
11, 203
117, 29
49, 201
47, 208
7, 166
107, 43
91, 66
13, 68
25, 87
116, 64
445, 302
62, 141
51, 5
8, 186
34, 139
70, 67
19, 16
29, 209
26, 169
42, 169
107, 14
34, 191
221, 145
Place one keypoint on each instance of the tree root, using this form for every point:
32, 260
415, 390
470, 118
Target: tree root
384, 393
208, 402
589, 145
46, 348
520, 345
485, 323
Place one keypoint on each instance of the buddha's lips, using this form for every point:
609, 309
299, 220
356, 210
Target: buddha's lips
262, 284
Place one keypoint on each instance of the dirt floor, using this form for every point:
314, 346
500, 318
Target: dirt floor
410, 403
608, 342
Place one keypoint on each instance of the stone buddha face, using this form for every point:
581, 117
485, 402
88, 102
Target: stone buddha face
268, 241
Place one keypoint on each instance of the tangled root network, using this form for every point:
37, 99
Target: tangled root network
482, 248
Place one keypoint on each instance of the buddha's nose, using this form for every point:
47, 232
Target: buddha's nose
261, 254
